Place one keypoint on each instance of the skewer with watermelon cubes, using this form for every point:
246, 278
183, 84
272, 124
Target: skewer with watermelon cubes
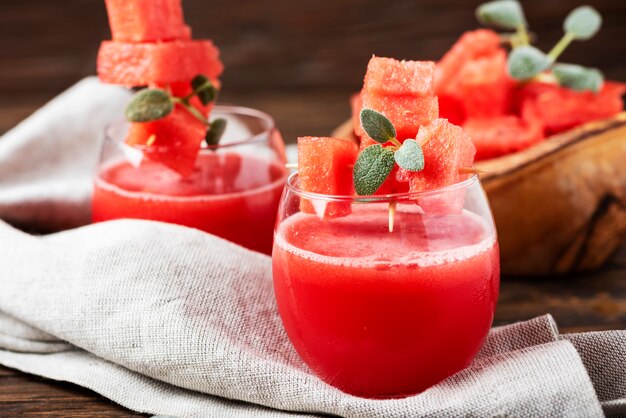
152, 47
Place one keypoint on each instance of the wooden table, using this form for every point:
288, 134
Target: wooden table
299, 63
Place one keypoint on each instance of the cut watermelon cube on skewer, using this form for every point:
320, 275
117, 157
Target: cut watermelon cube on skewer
173, 141
147, 20
388, 76
406, 113
325, 166
162, 63
447, 151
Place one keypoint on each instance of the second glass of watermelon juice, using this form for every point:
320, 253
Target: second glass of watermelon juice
233, 191
384, 314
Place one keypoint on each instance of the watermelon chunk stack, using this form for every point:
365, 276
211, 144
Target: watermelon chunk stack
152, 47
403, 91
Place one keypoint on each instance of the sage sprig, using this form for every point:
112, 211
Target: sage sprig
151, 104
525, 62
376, 162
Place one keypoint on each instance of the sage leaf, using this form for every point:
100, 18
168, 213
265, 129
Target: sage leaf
578, 78
583, 23
505, 14
377, 126
410, 156
372, 169
149, 105
215, 132
525, 62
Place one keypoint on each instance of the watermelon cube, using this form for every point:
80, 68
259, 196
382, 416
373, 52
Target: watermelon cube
470, 46
356, 104
407, 113
388, 76
173, 141
162, 63
325, 166
561, 109
147, 20
447, 149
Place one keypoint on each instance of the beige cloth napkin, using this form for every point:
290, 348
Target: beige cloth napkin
168, 320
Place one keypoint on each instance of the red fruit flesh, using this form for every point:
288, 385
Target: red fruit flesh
561, 109
446, 149
325, 166
147, 20
470, 46
406, 113
173, 141
164, 63
388, 76
356, 104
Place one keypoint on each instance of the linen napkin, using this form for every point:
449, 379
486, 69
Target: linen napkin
169, 320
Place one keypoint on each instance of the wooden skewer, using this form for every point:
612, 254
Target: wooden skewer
392, 215
291, 165
471, 170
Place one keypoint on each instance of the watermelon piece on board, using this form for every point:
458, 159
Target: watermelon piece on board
446, 150
162, 63
484, 86
325, 166
406, 113
388, 76
562, 109
501, 135
173, 141
470, 46
147, 20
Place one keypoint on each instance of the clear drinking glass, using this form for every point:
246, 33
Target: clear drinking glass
233, 191
385, 314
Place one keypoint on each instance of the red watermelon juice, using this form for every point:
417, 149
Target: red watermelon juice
379, 314
231, 195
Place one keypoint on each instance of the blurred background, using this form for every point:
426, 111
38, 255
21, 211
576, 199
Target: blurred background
298, 61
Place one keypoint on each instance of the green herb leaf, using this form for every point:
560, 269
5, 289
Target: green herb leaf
215, 132
579, 78
583, 23
410, 156
149, 105
506, 14
377, 126
372, 169
204, 89
525, 62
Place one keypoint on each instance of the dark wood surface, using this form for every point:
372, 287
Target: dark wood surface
298, 61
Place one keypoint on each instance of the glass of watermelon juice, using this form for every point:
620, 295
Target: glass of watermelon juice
233, 191
383, 314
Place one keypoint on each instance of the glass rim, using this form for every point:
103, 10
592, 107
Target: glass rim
265, 135
464, 184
